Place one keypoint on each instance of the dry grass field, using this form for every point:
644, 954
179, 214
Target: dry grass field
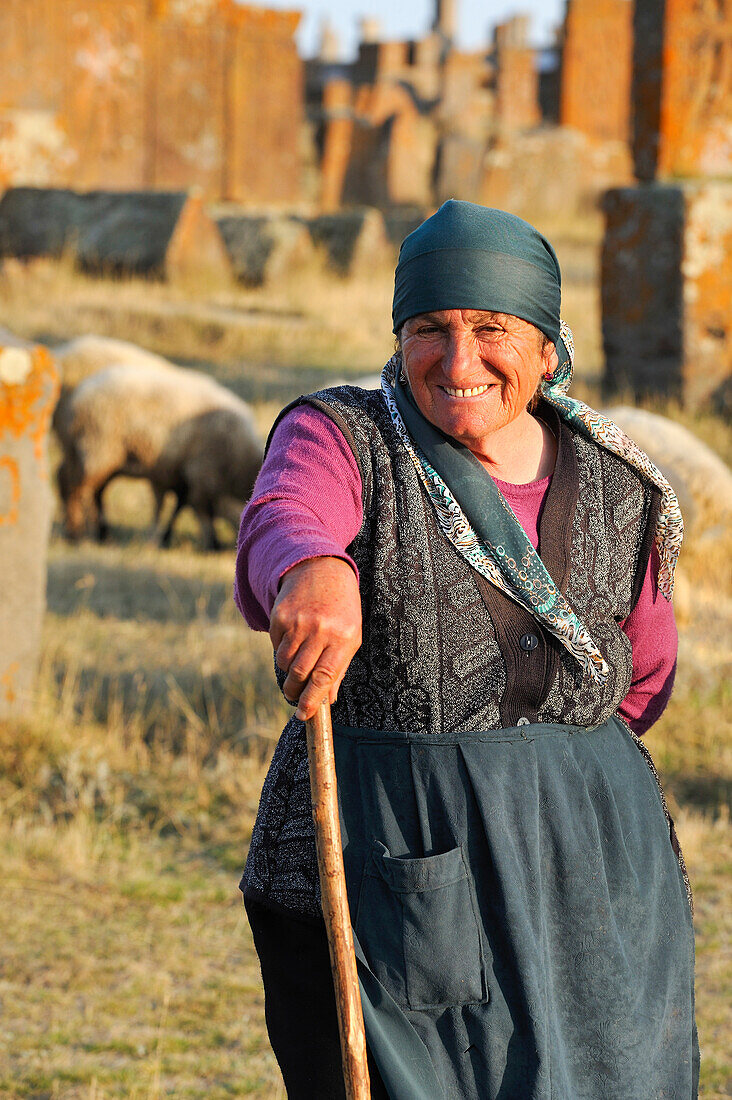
126, 966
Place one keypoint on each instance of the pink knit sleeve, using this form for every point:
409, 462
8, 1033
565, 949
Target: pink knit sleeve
306, 504
651, 628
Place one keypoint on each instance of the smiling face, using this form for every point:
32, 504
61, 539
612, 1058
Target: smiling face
473, 372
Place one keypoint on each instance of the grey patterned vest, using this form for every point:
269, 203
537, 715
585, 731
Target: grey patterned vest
443, 650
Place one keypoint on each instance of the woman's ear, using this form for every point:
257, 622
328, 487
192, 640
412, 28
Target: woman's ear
550, 356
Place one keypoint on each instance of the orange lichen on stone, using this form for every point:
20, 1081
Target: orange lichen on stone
9, 466
29, 388
683, 88
29, 385
696, 107
165, 94
7, 680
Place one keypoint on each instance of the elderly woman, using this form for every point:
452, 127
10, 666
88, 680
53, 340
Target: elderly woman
476, 570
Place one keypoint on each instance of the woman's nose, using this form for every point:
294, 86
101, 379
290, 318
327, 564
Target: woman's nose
459, 356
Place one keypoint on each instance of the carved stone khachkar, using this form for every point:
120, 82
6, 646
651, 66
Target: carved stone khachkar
28, 391
682, 89
139, 94
595, 92
667, 254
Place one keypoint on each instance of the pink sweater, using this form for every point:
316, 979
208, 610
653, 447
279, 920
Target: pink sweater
293, 516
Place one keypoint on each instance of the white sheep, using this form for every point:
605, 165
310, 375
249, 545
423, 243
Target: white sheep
701, 480
86, 355
83, 356
177, 428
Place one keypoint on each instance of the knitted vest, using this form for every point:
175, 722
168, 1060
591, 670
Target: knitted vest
443, 650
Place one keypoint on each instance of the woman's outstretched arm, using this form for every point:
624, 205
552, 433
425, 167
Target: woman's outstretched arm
293, 575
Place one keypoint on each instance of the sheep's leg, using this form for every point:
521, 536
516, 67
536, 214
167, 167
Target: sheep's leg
101, 519
75, 515
77, 495
159, 495
80, 511
156, 533
208, 530
69, 480
166, 535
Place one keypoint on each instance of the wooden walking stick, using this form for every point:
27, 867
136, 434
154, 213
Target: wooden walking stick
335, 903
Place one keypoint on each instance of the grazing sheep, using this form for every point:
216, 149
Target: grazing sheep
702, 481
177, 428
86, 355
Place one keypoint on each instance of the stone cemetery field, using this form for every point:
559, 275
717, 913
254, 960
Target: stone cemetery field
126, 965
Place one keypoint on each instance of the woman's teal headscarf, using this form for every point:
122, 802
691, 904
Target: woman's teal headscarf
471, 257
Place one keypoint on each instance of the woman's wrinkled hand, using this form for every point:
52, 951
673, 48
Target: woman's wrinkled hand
315, 627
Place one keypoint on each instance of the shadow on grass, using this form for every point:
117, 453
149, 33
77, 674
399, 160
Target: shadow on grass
706, 792
167, 704
136, 593
186, 532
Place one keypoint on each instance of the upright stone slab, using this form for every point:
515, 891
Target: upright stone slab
28, 391
392, 149
667, 289
187, 75
595, 94
337, 139
164, 94
682, 88
265, 106
667, 263
517, 77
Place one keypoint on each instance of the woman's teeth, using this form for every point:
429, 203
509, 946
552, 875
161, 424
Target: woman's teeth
476, 390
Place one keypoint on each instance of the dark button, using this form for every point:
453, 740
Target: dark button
528, 642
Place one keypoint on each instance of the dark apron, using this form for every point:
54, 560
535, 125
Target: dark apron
522, 925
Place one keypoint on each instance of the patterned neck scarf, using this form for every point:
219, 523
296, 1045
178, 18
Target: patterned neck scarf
490, 537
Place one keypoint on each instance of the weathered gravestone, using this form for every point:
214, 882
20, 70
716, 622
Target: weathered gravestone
264, 248
682, 89
667, 254
392, 148
28, 390
353, 241
667, 289
596, 72
165, 234
517, 76
337, 136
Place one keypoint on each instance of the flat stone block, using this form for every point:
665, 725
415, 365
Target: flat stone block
353, 241
264, 248
667, 289
551, 172
150, 233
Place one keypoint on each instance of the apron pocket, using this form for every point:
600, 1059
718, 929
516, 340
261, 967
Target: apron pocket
417, 924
